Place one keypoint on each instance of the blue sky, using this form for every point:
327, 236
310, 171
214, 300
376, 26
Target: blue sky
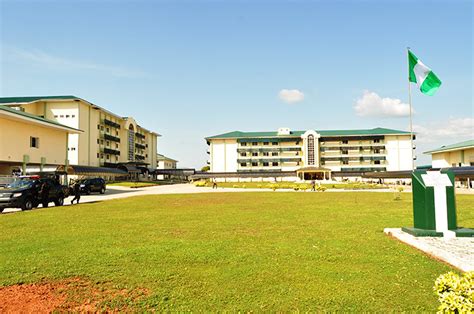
190, 69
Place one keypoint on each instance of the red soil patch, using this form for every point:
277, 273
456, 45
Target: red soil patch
67, 295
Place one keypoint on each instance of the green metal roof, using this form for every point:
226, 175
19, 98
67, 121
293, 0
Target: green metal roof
34, 117
375, 131
460, 145
14, 100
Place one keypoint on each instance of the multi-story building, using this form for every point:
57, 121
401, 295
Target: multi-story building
107, 138
312, 153
454, 155
26, 139
165, 163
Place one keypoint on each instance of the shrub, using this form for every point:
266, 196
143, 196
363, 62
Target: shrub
273, 186
400, 189
321, 188
259, 186
296, 187
455, 293
200, 183
235, 186
304, 187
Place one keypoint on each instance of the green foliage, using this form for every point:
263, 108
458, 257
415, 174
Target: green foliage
321, 188
400, 189
205, 168
200, 183
455, 293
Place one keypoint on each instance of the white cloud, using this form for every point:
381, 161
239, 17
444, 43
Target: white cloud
372, 105
58, 63
448, 132
291, 95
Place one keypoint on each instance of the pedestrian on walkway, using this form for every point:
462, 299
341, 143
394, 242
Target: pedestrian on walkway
313, 186
77, 193
214, 184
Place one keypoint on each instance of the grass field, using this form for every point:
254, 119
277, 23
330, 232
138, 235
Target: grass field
291, 185
134, 184
232, 251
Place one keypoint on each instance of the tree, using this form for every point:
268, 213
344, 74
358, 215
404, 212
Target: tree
205, 168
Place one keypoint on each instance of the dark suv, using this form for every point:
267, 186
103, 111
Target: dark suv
24, 193
92, 185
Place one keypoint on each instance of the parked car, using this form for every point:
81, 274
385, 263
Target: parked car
24, 193
92, 185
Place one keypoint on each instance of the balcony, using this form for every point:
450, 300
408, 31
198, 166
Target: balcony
139, 135
111, 151
140, 146
112, 138
111, 123
139, 157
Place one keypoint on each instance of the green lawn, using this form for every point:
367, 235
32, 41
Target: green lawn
134, 184
290, 185
232, 251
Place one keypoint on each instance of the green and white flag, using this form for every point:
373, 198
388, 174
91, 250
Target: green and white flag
420, 74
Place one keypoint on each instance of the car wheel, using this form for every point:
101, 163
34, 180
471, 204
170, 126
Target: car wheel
28, 204
59, 201
102, 190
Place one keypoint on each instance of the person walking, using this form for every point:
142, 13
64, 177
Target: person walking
313, 186
214, 184
77, 193
44, 194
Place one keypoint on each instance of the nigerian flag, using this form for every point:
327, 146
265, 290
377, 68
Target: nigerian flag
420, 74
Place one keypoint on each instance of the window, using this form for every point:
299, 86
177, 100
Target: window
274, 154
34, 142
376, 162
61, 116
310, 150
254, 143
67, 116
98, 155
116, 132
102, 142
243, 164
98, 126
376, 151
254, 154
73, 116
265, 164
345, 142
254, 164
274, 164
274, 143
73, 148
101, 155
55, 115
377, 141
116, 145
108, 143
265, 143
266, 154
344, 152
98, 141
243, 144
102, 127
108, 156
107, 130
471, 164
243, 154
345, 162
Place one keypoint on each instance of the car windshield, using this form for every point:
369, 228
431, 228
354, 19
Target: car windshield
20, 184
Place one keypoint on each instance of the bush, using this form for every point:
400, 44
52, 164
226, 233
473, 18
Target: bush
273, 186
200, 183
321, 188
304, 187
400, 189
455, 293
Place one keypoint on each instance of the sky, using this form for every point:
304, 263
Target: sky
191, 69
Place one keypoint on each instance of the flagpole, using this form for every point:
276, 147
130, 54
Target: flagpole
411, 119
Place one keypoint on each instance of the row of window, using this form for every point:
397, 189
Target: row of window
255, 164
256, 154
346, 162
107, 129
347, 142
256, 143
64, 116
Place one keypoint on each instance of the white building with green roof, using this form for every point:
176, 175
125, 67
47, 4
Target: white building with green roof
455, 155
313, 154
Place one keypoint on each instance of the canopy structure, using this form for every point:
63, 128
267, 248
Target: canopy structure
314, 173
91, 171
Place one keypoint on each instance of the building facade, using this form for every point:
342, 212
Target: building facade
166, 162
455, 155
376, 149
107, 138
26, 139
